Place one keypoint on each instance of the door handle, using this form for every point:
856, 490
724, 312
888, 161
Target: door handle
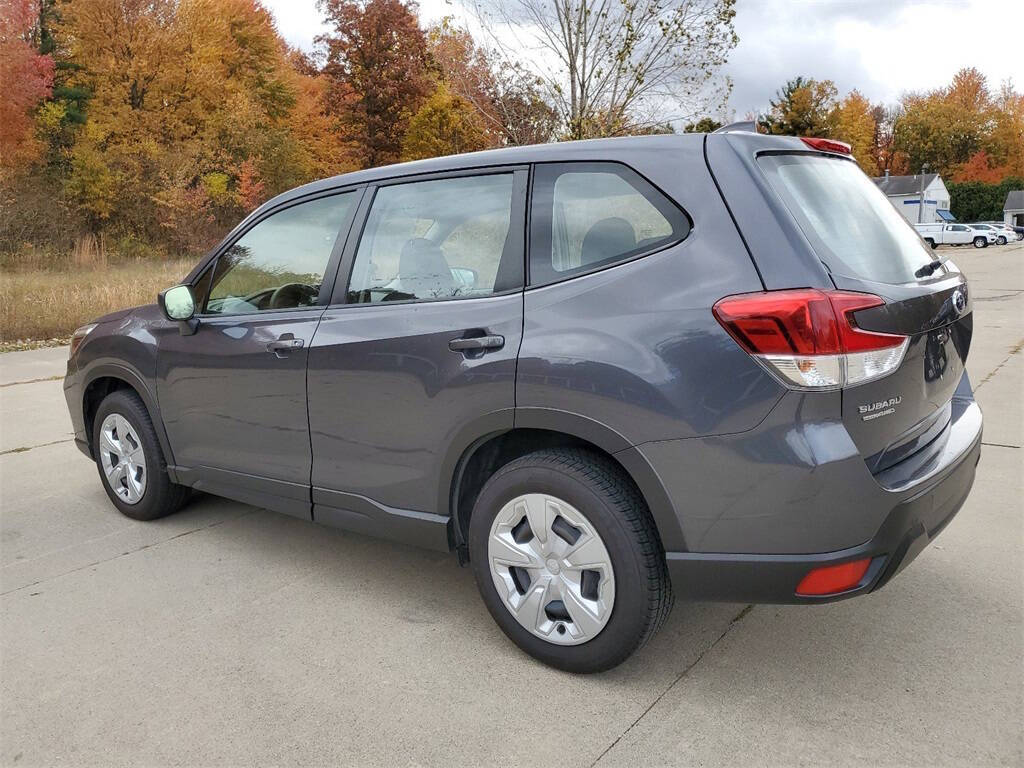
282, 346
476, 344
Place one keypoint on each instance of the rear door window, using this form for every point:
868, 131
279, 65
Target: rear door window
589, 215
439, 239
852, 226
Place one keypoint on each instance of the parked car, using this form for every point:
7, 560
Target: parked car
1010, 233
954, 234
604, 373
1001, 235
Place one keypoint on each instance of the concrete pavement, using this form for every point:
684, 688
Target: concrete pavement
228, 635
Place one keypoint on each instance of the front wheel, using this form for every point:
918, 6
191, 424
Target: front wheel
980, 242
568, 560
931, 243
1001, 240
131, 465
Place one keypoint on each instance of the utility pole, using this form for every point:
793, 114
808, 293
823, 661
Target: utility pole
920, 200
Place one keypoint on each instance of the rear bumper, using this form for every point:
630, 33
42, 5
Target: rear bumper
915, 507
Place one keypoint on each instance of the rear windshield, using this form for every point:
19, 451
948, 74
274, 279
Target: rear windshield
850, 223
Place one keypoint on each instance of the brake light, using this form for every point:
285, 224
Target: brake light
833, 579
827, 145
809, 338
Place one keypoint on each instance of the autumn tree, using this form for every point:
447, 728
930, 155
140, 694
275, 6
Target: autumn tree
446, 124
611, 67
27, 78
377, 66
884, 152
1005, 141
854, 122
507, 98
944, 127
802, 107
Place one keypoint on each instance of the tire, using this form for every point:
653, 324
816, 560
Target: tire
146, 464
980, 242
931, 243
1001, 240
590, 490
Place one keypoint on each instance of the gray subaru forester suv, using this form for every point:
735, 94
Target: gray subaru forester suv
603, 373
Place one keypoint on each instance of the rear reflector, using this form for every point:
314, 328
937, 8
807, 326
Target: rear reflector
809, 338
833, 579
827, 145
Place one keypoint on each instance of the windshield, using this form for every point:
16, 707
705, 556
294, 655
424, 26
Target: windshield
850, 223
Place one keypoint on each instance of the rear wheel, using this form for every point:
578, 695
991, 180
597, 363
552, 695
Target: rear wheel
931, 243
131, 465
568, 560
1001, 240
980, 242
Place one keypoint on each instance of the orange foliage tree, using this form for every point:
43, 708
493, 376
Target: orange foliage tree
27, 78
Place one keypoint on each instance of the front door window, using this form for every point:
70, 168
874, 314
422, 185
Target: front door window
280, 262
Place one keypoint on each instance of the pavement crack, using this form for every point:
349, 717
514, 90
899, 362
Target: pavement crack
735, 620
137, 549
24, 448
32, 381
1016, 348
999, 445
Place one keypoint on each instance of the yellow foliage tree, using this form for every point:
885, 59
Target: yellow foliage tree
855, 124
446, 124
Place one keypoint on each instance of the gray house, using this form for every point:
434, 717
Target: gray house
1013, 208
904, 192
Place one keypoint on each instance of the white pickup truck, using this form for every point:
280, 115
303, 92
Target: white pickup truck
945, 233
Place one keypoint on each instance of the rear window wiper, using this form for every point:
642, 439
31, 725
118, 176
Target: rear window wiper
929, 269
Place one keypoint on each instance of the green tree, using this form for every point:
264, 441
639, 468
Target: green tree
704, 125
978, 201
802, 107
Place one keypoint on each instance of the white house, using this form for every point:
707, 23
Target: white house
904, 192
1013, 208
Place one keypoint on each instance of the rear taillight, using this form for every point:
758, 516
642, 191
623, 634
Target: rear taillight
809, 338
827, 145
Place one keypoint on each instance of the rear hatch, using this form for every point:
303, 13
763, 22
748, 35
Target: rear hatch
866, 246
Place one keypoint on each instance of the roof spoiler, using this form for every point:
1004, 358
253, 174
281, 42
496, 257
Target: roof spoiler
747, 126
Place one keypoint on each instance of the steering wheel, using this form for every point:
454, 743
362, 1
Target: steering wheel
292, 295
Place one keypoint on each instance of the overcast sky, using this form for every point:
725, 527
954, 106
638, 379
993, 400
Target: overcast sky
881, 47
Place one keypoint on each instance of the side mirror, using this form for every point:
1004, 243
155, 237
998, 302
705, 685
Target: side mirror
179, 304
465, 277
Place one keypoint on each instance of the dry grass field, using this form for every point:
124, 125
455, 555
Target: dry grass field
50, 303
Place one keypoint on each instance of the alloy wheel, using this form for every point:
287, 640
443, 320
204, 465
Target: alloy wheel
122, 458
551, 569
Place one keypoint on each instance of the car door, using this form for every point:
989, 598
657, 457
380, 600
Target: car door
233, 393
418, 348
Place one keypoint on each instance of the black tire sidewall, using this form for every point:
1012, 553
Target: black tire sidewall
152, 503
620, 635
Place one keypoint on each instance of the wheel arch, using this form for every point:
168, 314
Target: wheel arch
471, 462
103, 379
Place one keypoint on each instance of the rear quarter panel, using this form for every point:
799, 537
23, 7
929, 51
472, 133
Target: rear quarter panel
635, 346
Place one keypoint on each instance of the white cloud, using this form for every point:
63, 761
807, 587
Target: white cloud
881, 47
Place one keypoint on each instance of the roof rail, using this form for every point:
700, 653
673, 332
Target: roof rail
747, 126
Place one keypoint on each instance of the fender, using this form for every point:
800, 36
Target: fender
479, 431
637, 467
117, 369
